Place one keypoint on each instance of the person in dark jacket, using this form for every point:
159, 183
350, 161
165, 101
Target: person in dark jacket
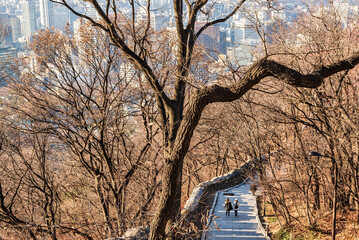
253, 188
236, 206
228, 206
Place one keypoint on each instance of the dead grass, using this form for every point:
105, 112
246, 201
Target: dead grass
347, 227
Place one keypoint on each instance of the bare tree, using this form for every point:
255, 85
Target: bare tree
31, 185
313, 119
179, 116
81, 91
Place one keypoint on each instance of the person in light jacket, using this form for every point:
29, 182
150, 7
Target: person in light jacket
228, 206
236, 206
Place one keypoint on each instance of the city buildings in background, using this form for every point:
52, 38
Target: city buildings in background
24, 17
233, 40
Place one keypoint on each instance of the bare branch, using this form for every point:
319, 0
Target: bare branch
263, 68
220, 19
64, 3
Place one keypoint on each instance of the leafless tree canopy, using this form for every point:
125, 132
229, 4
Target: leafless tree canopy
124, 103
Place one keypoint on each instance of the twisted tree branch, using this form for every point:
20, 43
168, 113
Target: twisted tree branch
261, 69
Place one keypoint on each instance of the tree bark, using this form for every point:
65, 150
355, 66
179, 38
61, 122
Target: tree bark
166, 209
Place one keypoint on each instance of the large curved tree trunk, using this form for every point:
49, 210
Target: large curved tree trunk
168, 205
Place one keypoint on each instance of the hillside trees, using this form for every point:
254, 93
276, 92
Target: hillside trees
33, 183
329, 110
79, 92
178, 115
322, 119
28, 179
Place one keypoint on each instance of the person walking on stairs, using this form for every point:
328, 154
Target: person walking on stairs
236, 206
228, 206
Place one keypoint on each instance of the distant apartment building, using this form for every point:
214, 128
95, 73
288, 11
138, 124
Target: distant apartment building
212, 40
128, 72
244, 39
243, 32
46, 13
159, 21
64, 17
13, 25
91, 11
28, 24
7, 64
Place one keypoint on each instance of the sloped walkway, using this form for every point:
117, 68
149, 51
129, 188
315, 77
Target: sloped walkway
245, 226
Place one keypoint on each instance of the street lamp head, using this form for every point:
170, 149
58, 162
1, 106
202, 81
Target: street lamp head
316, 154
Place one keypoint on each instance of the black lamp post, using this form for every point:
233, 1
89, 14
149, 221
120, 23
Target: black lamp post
317, 154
